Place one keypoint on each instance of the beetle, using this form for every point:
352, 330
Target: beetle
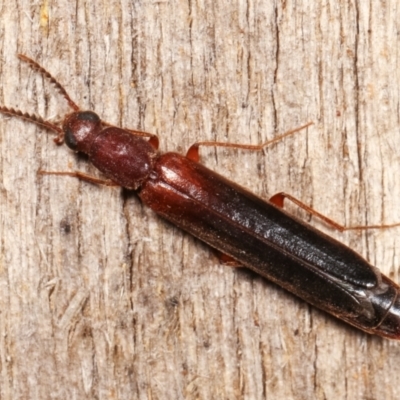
255, 233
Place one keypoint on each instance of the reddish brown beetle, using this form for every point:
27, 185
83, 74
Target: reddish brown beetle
256, 233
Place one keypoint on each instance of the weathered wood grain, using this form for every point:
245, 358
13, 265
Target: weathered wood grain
100, 298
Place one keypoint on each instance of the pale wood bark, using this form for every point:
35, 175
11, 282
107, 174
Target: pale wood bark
100, 298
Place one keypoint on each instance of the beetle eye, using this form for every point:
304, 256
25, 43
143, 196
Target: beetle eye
88, 116
70, 139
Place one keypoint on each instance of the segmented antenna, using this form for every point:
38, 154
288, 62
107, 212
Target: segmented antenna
34, 65
31, 118
35, 118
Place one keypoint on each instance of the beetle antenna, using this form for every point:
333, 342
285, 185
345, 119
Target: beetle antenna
36, 120
34, 65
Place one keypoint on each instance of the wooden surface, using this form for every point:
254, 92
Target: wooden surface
100, 298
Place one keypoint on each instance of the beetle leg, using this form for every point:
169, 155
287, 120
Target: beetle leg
82, 177
278, 200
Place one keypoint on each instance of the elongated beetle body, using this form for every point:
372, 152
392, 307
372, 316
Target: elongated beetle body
256, 233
